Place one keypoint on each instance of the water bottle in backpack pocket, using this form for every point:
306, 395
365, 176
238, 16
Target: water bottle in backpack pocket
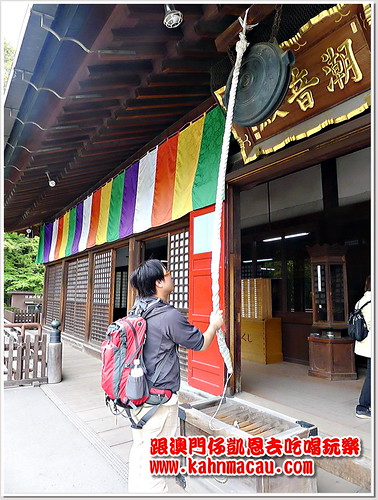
137, 385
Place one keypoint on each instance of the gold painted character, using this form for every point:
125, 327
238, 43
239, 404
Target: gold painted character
299, 87
341, 65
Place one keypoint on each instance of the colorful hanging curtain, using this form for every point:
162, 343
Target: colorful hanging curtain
174, 178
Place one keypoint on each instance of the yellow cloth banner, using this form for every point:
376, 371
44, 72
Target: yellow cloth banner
66, 223
102, 229
189, 144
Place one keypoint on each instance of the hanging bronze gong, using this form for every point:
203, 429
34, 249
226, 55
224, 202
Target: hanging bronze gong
264, 79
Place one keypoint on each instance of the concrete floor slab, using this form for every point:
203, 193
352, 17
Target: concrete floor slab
94, 413
108, 423
122, 450
116, 436
46, 454
283, 387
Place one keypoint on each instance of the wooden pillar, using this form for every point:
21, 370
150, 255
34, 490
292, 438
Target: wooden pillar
63, 295
112, 286
233, 284
44, 300
135, 258
88, 312
283, 281
331, 231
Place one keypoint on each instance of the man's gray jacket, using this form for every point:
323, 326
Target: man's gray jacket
167, 328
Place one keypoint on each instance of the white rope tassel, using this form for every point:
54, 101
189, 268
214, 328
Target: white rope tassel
241, 47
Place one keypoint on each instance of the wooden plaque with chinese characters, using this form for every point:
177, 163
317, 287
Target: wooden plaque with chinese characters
332, 66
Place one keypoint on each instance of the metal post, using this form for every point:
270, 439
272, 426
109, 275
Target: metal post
54, 361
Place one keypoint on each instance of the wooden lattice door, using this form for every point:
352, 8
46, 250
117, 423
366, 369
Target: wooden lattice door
53, 293
101, 295
76, 297
178, 263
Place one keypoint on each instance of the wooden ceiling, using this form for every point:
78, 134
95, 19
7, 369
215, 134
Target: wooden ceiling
104, 83
134, 79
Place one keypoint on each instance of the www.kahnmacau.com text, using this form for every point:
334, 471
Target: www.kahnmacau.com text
209, 466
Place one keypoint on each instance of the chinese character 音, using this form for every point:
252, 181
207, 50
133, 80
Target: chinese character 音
299, 87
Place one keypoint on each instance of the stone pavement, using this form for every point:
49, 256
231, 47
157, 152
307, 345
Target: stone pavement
45, 453
62, 439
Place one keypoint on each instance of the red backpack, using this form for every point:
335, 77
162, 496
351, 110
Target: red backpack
123, 373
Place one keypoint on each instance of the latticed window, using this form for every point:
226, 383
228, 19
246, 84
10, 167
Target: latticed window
102, 274
76, 297
179, 266
120, 294
53, 293
179, 298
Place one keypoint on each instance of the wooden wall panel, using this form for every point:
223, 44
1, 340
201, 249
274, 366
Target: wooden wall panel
101, 295
76, 297
54, 276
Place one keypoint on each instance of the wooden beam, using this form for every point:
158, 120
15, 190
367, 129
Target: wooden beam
135, 120
66, 134
185, 90
123, 80
132, 67
211, 28
178, 110
116, 127
166, 79
256, 14
345, 138
153, 12
203, 48
232, 9
186, 65
147, 33
78, 117
85, 106
69, 141
163, 102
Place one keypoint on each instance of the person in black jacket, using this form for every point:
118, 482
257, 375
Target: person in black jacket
166, 329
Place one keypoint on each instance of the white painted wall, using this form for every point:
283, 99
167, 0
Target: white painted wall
301, 192
122, 256
295, 194
354, 177
254, 206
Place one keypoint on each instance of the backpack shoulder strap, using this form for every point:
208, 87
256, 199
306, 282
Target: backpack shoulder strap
141, 307
366, 303
149, 306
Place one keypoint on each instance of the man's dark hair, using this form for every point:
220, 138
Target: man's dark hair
368, 284
144, 278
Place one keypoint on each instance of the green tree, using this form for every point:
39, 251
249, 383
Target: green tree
9, 53
21, 272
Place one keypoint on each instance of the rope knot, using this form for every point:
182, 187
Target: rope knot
242, 44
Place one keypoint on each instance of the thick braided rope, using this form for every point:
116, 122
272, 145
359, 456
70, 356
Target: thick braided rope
241, 47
